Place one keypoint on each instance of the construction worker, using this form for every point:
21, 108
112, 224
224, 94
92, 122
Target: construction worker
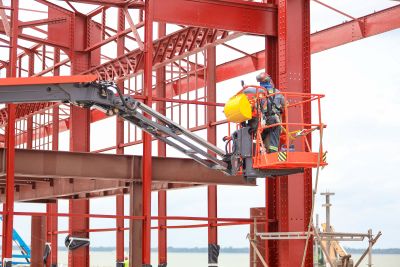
272, 109
126, 261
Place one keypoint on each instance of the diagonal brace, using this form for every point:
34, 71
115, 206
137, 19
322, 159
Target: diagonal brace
134, 29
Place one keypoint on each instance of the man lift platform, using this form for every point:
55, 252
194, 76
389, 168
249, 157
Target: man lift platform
245, 152
248, 108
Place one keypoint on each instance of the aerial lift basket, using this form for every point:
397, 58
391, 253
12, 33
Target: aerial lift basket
294, 150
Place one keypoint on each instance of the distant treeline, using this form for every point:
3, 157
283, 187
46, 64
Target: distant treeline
238, 250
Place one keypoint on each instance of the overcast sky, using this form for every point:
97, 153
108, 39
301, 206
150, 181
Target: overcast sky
361, 82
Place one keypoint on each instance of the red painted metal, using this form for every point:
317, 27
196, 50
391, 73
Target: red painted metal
147, 139
258, 215
136, 227
162, 152
231, 15
48, 80
335, 9
363, 27
270, 247
80, 138
52, 221
194, 39
211, 116
294, 194
8, 206
29, 132
79, 141
131, 217
38, 239
120, 251
376, 23
162, 230
51, 227
81, 41
120, 136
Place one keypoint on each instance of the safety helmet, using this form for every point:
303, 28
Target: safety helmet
263, 77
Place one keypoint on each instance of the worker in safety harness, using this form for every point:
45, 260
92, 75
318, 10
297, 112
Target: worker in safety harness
272, 108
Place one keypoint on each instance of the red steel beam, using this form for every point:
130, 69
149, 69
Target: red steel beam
4, 20
231, 15
41, 22
376, 23
195, 40
115, 3
125, 168
48, 80
363, 27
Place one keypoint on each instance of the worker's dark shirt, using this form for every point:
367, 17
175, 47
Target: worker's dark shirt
274, 104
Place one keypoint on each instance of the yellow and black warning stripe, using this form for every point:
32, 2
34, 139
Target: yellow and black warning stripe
282, 156
324, 156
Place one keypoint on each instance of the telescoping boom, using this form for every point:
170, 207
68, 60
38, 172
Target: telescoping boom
86, 92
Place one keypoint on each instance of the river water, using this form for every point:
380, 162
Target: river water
107, 259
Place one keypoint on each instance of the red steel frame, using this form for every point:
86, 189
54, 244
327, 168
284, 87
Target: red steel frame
120, 245
8, 206
179, 70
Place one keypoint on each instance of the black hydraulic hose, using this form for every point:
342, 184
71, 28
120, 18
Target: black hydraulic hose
119, 94
226, 146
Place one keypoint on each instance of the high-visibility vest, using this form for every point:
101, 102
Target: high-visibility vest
126, 263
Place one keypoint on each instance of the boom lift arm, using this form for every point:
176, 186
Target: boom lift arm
101, 96
86, 92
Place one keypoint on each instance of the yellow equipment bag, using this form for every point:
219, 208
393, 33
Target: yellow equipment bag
238, 109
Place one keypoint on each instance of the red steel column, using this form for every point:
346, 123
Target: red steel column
119, 199
120, 226
8, 206
294, 194
80, 136
162, 152
270, 247
52, 226
29, 132
213, 247
51, 208
38, 240
29, 120
84, 35
79, 141
147, 164
135, 226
